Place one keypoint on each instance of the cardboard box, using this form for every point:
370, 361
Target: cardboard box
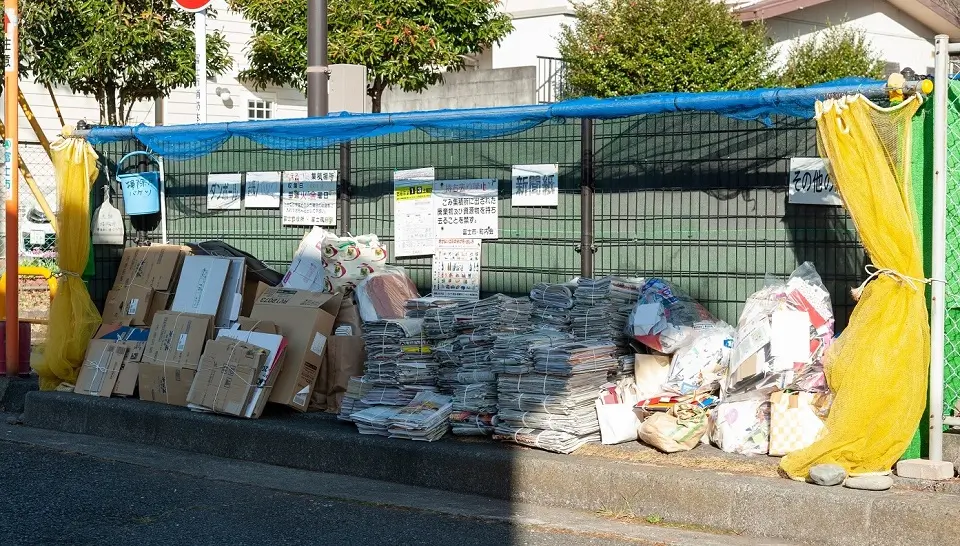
156, 267
252, 289
165, 384
133, 305
201, 286
275, 346
135, 338
232, 299
177, 339
227, 377
306, 321
100, 369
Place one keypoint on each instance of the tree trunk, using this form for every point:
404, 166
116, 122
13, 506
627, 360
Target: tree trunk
101, 100
111, 93
375, 91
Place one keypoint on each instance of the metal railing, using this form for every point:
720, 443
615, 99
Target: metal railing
551, 80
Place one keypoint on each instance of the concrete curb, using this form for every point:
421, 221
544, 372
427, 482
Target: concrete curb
13, 392
764, 507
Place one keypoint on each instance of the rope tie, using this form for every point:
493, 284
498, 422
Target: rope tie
875, 272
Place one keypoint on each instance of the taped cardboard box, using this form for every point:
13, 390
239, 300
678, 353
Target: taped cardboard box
165, 384
227, 377
177, 339
101, 368
135, 341
202, 285
306, 321
133, 305
156, 267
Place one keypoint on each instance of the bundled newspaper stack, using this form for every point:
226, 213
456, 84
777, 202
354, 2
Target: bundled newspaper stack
375, 420
602, 307
551, 306
357, 388
391, 344
420, 307
424, 419
553, 408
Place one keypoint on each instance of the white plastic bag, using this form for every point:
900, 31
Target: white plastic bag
106, 227
665, 318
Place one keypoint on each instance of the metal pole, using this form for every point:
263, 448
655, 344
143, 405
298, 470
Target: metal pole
11, 181
586, 198
939, 247
344, 176
318, 103
200, 36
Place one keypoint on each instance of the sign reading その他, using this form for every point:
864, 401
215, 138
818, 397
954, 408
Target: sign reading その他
535, 186
467, 209
309, 198
810, 183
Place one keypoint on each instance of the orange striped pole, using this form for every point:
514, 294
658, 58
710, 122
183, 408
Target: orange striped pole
11, 179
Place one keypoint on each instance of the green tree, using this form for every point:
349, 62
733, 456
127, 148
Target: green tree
118, 51
837, 52
629, 47
403, 43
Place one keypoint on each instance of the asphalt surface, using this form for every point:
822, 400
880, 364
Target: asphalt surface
58, 497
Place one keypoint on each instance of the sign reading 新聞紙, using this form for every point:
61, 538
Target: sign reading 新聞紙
810, 184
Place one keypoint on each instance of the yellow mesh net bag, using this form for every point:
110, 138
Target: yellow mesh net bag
73, 317
878, 367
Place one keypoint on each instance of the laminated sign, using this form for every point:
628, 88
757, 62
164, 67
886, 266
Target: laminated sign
223, 191
415, 224
456, 269
309, 198
810, 183
263, 190
467, 208
535, 186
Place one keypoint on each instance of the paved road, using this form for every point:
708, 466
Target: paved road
69, 498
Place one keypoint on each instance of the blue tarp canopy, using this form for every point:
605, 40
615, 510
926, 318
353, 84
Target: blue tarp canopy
179, 142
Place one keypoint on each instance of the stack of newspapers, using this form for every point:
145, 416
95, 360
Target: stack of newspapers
601, 308
551, 305
390, 344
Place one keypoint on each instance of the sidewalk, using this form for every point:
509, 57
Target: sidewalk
606, 480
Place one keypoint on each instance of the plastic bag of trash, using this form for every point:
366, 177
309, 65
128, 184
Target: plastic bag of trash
702, 363
679, 429
743, 425
665, 318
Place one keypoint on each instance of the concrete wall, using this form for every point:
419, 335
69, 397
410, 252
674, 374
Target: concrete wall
470, 89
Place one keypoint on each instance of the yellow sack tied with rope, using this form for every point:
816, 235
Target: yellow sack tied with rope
878, 367
73, 316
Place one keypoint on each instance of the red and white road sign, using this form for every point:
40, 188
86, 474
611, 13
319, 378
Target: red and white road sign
192, 5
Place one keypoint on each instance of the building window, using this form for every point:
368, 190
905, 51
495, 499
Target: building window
259, 109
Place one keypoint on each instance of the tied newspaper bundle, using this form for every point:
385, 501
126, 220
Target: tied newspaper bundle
424, 418
390, 344
553, 408
551, 306
357, 388
602, 307
511, 352
473, 382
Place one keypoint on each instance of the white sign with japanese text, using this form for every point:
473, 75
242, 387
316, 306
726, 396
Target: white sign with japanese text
467, 209
810, 183
223, 191
309, 198
263, 190
535, 186
415, 216
456, 269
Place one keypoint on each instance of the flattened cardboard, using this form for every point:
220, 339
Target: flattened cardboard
224, 382
177, 339
130, 306
201, 286
100, 369
134, 336
275, 346
252, 289
232, 300
252, 325
129, 369
306, 320
155, 266
165, 384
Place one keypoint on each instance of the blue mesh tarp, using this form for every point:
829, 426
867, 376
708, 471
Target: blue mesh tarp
192, 141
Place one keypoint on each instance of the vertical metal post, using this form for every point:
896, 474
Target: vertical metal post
200, 37
317, 75
344, 186
939, 246
586, 198
11, 181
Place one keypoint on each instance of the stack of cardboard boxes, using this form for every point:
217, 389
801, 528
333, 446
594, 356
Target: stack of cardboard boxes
174, 327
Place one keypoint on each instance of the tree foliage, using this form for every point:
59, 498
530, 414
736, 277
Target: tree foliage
838, 52
119, 51
629, 47
403, 43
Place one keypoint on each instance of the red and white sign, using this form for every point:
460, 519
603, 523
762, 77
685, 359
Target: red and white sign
192, 5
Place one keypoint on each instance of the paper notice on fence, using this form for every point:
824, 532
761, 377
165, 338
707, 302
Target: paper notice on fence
309, 198
456, 269
467, 209
810, 183
223, 191
535, 186
415, 217
263, 190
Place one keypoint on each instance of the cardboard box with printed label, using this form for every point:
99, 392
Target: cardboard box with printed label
227, 377
306, 320
133, 305
177, 339
165, 384
135, 341
201, 286
156, 267
101, 368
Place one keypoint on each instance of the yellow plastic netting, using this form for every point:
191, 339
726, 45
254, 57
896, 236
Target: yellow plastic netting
878, 367
73, 317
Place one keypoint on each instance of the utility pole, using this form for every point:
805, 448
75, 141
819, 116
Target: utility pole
318, 100
11, 182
